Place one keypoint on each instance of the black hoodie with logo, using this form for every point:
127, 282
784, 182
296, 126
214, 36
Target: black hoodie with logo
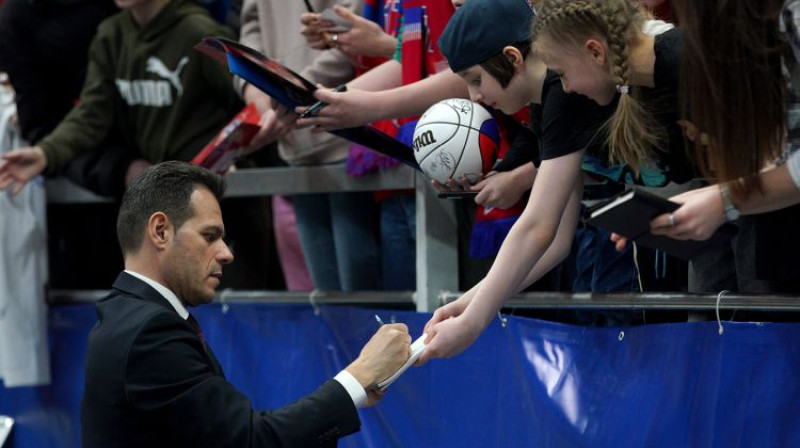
165, 99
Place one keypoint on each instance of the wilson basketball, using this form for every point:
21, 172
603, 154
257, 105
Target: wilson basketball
456, 138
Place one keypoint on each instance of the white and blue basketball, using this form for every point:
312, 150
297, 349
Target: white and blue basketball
456, 138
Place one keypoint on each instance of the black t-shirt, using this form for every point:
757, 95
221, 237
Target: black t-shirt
523, 148
565, 123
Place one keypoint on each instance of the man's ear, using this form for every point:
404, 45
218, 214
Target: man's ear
159, 230
597, 51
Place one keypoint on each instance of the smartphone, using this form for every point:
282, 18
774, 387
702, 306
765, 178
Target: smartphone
457, 194
340, 25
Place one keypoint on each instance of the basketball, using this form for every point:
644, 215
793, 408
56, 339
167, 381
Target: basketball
456, 138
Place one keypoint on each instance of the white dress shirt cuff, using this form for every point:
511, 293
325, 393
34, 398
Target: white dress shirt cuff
353, 387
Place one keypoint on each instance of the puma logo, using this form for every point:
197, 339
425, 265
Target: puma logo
154, 65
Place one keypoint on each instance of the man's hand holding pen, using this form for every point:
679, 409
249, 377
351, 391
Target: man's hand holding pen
386, 351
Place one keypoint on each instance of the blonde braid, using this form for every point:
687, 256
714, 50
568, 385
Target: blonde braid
617, 43
631, 131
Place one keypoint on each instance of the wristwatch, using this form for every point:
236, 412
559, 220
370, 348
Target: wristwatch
731, 212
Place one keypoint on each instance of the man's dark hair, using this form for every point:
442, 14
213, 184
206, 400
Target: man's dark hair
501, 68
166, 187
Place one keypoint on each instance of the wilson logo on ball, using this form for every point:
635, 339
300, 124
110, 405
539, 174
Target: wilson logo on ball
466, 140
424, 139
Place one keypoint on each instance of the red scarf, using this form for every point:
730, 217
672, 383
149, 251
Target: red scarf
423, 23
362, 160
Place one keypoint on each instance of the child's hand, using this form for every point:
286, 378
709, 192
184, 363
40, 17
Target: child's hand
344, 110
504, 189
452, 185
449, 338
620, 241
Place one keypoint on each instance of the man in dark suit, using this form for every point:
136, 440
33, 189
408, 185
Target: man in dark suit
151, 380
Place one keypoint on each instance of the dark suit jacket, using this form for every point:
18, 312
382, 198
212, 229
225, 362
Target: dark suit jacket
150, 383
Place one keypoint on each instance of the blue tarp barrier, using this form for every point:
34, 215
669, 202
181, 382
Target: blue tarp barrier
531, 383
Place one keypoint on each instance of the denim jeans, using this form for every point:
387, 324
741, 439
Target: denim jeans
599, 267
339, 236
287, 240
398, 242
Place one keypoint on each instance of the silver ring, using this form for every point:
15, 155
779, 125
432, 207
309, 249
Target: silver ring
335, 39
671, 219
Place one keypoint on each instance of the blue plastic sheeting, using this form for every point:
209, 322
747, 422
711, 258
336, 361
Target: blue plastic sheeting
531, 383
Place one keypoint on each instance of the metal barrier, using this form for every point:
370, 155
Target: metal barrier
437, 253
534, 300
399, 299
653, 301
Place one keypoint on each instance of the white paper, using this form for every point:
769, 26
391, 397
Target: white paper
417, 348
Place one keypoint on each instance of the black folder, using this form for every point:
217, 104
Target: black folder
629, 214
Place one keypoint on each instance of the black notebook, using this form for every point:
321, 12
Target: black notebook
629, 214
292, 90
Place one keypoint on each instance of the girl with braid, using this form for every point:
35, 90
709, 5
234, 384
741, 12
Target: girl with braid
599, 49
604, 50
646, 71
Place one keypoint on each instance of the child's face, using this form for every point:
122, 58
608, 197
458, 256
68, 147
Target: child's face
484, 88
581, 71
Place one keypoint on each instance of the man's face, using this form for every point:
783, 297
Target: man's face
193, 261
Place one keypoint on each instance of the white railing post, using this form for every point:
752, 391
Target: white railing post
437, 246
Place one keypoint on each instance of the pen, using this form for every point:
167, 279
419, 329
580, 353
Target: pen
314, 109
380, 322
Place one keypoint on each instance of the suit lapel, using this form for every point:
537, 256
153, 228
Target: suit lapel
131, 285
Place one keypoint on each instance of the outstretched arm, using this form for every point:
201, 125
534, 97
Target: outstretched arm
557, 186
555, 254
357, 107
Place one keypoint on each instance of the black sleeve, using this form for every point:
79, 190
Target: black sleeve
169, 377
569, 121
101, 170
668, 47
524, 147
